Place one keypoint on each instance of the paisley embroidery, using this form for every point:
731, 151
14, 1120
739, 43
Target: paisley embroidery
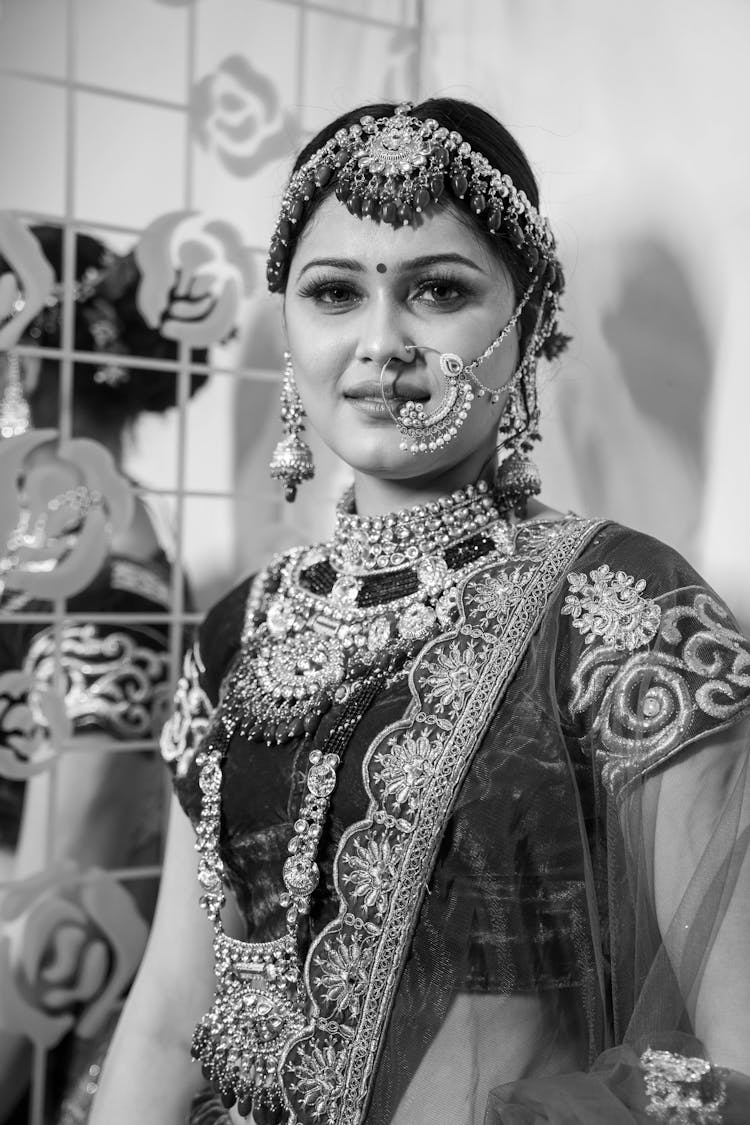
184, 730
109, 680
646, 705
412, 772
610, 607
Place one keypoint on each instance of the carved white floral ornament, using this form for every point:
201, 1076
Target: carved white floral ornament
70, 943
196, 271
24, 291
60, 503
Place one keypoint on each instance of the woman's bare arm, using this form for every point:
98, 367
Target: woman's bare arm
148, 1076
704, 801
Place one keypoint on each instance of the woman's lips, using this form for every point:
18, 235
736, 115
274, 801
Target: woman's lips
368, 398
372, 389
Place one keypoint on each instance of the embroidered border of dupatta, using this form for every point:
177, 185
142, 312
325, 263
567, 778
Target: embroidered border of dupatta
412, 773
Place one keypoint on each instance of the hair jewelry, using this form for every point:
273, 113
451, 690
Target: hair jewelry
424, 432
15, 417
392, 168
292, 460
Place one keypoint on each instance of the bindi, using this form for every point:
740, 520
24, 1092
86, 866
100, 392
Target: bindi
381, 267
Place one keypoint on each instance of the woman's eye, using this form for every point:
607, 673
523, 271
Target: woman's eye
331, 293
440, 292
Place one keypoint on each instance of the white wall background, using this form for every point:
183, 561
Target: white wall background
635, 118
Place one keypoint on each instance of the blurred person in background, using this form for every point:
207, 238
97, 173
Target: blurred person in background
97, 809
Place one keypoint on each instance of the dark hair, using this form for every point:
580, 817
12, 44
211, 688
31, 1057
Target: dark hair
485, 134
106, 319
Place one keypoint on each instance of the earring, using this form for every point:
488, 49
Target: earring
15, 417
292, 460
517, 477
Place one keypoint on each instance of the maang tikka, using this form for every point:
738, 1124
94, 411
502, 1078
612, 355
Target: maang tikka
292, 460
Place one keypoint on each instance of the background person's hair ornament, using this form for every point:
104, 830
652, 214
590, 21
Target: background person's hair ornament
15, 417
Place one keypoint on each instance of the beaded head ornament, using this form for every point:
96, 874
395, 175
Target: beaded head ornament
390, 170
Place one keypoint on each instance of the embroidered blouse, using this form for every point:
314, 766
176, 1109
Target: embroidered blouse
486, 937
115, 674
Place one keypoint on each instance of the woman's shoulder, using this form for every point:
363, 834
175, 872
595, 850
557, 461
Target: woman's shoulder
644, 558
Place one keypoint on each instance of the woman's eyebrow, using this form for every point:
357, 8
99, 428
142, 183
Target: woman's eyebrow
333, 263
426, 260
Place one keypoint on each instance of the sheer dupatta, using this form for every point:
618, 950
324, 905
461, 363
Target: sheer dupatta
666, 726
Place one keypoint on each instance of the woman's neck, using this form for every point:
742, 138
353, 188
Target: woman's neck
376, 496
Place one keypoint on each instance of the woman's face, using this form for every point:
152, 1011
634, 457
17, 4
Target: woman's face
358, 293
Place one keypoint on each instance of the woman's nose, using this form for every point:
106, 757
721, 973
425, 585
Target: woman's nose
382, 336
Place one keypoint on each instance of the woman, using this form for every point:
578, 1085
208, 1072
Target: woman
114, 670
474, 783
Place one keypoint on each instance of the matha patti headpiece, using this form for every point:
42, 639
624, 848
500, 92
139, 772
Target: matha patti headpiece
390, 169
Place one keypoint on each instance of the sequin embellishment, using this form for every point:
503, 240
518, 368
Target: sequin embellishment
610, 607
683, 1090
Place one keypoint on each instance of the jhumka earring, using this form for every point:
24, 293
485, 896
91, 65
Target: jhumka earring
15, 417
517, 476
292, 460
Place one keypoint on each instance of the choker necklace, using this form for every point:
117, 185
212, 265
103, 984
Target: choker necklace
362, 544
320, 619
325, 626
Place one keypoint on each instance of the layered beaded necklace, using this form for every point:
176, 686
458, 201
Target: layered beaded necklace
326, 626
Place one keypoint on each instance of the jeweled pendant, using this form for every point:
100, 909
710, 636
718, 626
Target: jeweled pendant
257, 1011
301, 875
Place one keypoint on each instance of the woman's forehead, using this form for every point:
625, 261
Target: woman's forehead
333, 233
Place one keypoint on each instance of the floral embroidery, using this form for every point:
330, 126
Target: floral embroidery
610, 607
452, 677
371, 872
407, 764
343, 973
496, 595
185, 728
320, 1079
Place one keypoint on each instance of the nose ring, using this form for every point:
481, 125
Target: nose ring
423, 432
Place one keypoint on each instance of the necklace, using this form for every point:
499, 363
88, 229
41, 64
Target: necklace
362, 544
319, 619
324, 626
